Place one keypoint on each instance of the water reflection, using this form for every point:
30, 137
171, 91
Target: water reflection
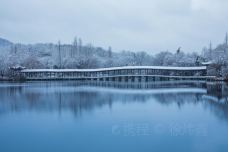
79, 97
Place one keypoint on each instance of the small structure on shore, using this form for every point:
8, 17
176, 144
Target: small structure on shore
17, 68
15, 72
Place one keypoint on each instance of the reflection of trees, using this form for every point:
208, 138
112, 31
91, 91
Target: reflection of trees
58, 96
77, 101
219, 109
178, 98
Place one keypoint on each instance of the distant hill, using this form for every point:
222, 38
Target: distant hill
4, 42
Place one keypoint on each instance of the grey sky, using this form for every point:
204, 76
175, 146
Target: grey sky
150, 25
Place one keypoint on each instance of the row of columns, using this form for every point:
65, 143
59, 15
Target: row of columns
112, 73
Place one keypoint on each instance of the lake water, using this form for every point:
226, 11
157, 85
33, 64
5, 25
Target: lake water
73, 116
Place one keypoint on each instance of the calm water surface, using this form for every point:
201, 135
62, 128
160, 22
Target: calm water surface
74, 116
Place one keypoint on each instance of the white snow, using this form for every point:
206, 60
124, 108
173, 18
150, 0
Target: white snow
207, 63
117, 68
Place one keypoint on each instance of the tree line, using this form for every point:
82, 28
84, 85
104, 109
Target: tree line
84, 56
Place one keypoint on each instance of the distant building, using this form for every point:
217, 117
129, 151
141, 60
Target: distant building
213, 69
17, 68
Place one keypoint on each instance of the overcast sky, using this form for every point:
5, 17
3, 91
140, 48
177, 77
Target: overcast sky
137, 25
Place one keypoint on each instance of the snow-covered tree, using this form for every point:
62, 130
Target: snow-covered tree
78, 55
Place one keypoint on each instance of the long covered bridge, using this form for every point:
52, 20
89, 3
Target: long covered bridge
128, 73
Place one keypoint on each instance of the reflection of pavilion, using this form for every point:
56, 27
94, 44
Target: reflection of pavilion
216, 92
80, 97
147, 86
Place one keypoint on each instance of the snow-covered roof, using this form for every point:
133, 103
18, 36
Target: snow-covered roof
17, 67
117, 68
207, 63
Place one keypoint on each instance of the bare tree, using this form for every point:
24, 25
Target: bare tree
210, 50
110, 52
80, 45
14, 49
140, 58
60, 55
226, 39
74, 50
178, 50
